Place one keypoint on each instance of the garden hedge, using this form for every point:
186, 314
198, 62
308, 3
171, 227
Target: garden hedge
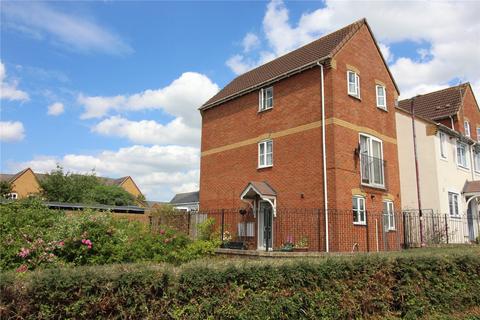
333, 288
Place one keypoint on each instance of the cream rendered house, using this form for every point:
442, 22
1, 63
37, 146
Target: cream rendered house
444, 179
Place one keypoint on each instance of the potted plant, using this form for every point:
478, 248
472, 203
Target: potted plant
302, 245
288, 245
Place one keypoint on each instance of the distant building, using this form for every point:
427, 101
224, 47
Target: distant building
186, 201
26, 183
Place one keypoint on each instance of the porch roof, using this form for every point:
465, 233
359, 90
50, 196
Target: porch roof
472, 187
261, 188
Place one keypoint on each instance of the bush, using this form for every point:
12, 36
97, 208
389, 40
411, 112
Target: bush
338, 288
33, 236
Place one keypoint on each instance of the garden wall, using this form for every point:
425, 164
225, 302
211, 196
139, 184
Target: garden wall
402, 286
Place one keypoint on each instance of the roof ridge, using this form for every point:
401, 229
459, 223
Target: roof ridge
437, 91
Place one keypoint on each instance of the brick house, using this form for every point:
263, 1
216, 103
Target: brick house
263, 145
444, 182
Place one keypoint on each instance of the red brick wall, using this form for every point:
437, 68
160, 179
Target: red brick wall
297, 160
469, 112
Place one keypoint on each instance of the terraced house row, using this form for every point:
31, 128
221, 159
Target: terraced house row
315, 148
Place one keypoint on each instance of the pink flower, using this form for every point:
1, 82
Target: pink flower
24, 253
162, 231
22, 268
88, 243
61, 243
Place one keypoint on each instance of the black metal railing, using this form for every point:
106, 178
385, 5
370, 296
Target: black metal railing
373, 171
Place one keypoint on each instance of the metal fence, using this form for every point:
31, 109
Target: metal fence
303, 229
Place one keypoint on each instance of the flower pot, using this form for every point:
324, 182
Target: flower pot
300, 249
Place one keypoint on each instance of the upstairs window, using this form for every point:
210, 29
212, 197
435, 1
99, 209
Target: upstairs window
443, 145
476, 159
371, 161
466, 126
389, 215
265, 154
478, 134
381, 97
265, 99
462, 155
353, 84
359, 212
453, 204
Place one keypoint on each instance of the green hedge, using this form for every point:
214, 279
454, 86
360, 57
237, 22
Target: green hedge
334, 288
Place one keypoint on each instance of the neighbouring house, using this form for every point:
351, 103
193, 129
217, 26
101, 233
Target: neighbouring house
26, 183
444, 181
187, 201
313, 125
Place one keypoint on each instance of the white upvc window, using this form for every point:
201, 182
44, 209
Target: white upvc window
381, 97
353, 84
265, 154
443, 145
371, 161
389, 215
466, 126
476, 159
12, 196
453, 204
478, 134
265, 99
359, 211
462, 155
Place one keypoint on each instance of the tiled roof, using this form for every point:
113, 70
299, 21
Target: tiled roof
438, 104
188, 197
261, 188
471, 187
305, 56
6, 177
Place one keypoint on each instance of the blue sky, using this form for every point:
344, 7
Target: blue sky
114, 86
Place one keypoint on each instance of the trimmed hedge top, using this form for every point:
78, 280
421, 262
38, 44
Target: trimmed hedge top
337, 288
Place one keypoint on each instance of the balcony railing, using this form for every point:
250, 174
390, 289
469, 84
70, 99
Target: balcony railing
373, 171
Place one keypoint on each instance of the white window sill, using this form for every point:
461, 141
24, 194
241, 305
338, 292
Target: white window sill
264, 167
263, 110
443, 159
382, 108
466, 169
355, 96
391, 229
360, 223
376, 186
455, 217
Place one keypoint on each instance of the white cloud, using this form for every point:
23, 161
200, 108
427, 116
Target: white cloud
8, 90
453, 45
250, 41
11, 131
56, 109
159, 171
181, 98
149, 131
75, 32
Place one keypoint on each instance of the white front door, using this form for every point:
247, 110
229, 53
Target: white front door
265, 226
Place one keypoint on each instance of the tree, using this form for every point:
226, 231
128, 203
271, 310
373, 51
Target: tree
78, 188
5, 189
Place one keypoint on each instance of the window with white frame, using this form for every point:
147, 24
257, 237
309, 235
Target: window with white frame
359, 212
389, 215
466, 126
478, 133
462, 155
353, 81
453, 204
265, 154
371, 161
12, 196
265, 99
443, 145
476, 159
381, 97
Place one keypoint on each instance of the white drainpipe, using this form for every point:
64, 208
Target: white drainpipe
324, 151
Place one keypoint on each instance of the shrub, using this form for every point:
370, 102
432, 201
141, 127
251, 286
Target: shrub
336, 288
206, 230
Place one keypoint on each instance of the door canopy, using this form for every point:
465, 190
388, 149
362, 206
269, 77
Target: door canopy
259, 191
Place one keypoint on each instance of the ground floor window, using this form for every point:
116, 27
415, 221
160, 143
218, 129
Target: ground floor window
389, 215
359, 215
453, 204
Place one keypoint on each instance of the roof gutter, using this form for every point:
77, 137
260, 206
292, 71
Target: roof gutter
265, 83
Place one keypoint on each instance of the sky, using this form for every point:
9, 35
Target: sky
114, 86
